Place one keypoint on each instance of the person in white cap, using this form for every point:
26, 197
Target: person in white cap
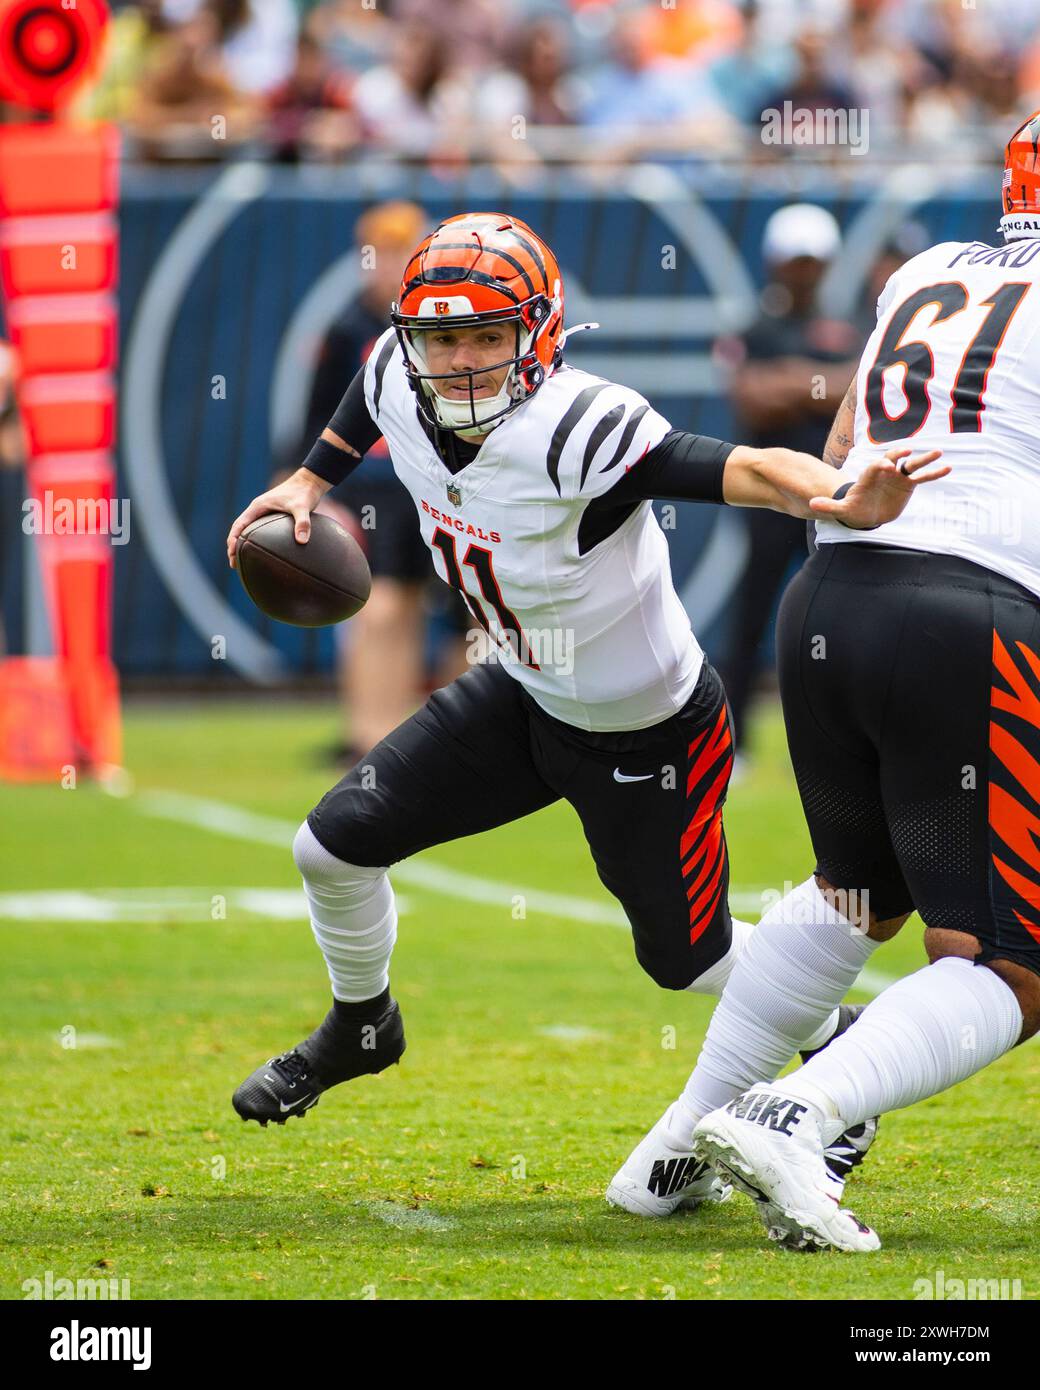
789, 371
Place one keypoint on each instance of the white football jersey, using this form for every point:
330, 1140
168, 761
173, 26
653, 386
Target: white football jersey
954, 364
599, 640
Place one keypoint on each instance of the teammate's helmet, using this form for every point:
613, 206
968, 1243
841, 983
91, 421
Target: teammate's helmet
481, 268
1021, 188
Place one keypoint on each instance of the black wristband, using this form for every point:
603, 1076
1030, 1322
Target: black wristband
837, 496
330, 462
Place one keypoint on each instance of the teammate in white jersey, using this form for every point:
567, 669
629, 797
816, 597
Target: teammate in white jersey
951, 365
533, 484
909, 667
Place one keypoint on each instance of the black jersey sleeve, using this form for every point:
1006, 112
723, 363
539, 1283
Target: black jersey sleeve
354, 425
683, 467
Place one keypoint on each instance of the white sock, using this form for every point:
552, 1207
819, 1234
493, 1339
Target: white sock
922, 1035
353, 917
713, 980
716, 977
797, 966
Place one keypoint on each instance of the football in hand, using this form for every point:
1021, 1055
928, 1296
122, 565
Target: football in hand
323, 581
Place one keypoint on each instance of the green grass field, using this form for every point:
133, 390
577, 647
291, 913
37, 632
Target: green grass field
476, 1169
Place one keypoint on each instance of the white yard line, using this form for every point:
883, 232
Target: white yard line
218, 816
237, 824
55, 907
77, 1041
571, 1032
873, 982
158, 904
222, 818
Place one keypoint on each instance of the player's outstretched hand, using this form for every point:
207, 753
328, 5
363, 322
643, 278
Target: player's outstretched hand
298, 496
882, 490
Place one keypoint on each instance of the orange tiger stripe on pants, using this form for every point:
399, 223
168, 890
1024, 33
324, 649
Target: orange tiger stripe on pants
703, 844
1011, 821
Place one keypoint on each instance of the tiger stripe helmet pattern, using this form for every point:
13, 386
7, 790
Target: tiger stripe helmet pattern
480, 268
1020, 191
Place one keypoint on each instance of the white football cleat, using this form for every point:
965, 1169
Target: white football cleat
769, 1145
659, 1177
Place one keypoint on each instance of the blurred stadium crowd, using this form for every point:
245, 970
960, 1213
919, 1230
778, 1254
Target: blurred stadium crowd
442, 82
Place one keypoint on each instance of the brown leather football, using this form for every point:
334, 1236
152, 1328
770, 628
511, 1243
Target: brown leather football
311, 585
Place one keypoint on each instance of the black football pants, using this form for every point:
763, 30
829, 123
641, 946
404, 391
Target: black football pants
911, 692
481, 753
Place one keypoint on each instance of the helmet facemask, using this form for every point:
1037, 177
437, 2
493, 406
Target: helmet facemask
473, 414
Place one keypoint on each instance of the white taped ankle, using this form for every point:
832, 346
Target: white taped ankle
922, 1035
714, 979
353, 917
797, 966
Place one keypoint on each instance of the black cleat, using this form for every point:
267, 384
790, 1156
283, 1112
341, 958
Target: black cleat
849, 1149
340, 1049
847, 1015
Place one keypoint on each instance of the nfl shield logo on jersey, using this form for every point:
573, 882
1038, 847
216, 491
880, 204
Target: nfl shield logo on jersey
454, 494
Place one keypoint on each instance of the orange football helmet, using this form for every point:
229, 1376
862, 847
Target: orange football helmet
1021, 186
481, 268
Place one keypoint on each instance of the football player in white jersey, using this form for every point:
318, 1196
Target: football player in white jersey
532, 483
909, 666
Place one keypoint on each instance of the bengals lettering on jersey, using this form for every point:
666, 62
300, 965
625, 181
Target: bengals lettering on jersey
599, 639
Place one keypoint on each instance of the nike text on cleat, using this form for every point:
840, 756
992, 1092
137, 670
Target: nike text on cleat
337, 1051
658, 1178
769, 1146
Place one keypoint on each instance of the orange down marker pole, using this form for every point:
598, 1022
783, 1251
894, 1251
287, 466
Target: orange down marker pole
58, 265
